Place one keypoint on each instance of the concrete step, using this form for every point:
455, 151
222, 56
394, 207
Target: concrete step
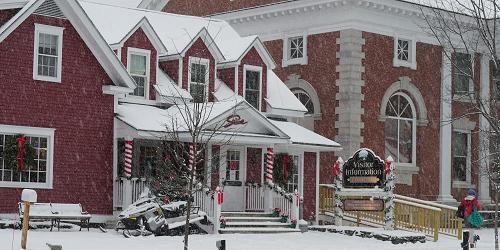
257, 224
245, 214
253, 230
253, 219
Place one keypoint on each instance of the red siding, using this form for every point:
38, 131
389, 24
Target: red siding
199, 50
139, 40
6, 15
227, 76
254, 164
171, 68
253, 58
309, 186
81, 114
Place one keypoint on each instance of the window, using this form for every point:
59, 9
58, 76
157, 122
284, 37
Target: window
462, 74
295, 49
147, 160
47, 61
293, 181
400, 129
405, 52
198, 78
233, 165
138, 67
305, 99
253, 82
39, 175
461, 155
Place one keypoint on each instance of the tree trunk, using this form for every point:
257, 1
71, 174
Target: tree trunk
188, 212
496, 219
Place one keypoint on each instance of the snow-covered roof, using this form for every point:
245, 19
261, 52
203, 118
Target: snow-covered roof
223, 92
168, 89
232, 49
175, 31
280, 97
302, 136
124, 3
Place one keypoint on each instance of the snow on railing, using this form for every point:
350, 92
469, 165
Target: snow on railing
254, 198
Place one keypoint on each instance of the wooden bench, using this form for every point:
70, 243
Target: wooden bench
55, 212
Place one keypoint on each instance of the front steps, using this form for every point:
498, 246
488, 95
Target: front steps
254, 223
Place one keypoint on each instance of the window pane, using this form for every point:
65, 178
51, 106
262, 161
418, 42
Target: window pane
252, 97
403, 50
198, 72
197, 91
461, 83
306, 101
138, 65
405, 141
391, 138
459, 168
252, 80
140, 81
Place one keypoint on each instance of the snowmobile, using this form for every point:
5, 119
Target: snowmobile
154, 215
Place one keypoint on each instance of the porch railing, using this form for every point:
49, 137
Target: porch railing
410, 214
254, 198
122, 198
283, 203
205, 200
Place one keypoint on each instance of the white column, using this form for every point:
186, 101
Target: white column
217, 211
445, 133
484, 126
316, 213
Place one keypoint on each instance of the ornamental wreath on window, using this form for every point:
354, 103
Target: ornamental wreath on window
282, 169
18, 153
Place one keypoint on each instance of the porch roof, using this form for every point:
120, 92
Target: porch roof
302, 137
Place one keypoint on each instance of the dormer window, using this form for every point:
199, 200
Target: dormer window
198, 78
138, 67
47, 61
253, 85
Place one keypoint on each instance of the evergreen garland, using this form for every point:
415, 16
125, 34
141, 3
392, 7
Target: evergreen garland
11, 152
279, 170
168, 182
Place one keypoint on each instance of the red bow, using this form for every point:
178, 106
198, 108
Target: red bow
286, 159
21, 142
220, 196
297, 195
336, 169
387, 169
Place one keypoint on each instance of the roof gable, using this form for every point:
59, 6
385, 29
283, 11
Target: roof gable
236, 49
150, 33
82, 24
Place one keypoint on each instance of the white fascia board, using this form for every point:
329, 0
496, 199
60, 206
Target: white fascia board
310, 147
116, 90
214, 137
163, 58
96, 43
150, 33
18, 18
12, 4
209, 42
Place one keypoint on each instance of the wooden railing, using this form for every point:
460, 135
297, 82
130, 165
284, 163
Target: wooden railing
204, 199
121, 195
254, 198
411, 214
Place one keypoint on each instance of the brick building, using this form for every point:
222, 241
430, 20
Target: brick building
372, 77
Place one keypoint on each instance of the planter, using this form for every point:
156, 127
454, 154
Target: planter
223, 225
284, 219
293, 225
276, 214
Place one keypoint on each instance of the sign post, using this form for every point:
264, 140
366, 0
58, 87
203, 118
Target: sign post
29, 197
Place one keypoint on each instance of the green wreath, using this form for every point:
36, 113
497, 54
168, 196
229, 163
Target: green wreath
11, 152
279, 169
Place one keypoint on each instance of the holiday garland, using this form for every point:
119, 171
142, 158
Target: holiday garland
282, 162
17, 148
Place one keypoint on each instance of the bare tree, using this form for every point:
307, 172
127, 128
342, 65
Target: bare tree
467, 31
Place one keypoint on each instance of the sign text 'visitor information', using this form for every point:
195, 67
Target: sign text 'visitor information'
363, 205
363, 170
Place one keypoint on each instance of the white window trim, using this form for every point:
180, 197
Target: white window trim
205, 62
51, 30
463, 97
412, 55
414, 132
33, 131
140, 52
252, 68
286, 49
468, 167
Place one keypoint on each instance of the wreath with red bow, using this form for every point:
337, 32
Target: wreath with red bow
283, 169
18, 153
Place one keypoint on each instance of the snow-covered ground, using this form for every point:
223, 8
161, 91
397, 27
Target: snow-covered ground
72, 239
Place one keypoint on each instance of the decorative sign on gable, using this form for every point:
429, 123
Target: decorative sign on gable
363, 170
234, 120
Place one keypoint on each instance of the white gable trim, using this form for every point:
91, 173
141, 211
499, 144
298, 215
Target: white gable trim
150, 33
13, 4
261, 49
208, 41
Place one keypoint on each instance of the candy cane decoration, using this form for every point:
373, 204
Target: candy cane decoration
269, 170
191, 158
128, 158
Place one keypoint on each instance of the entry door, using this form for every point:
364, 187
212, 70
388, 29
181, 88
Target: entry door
234, 176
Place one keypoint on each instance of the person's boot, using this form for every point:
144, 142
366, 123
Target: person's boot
465, 240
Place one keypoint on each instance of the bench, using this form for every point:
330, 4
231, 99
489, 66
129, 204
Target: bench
55, 212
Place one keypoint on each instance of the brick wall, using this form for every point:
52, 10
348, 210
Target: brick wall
206, 7
81, 114
227, 76
253, 58
6, 15
309, 185
171, 68
139, 40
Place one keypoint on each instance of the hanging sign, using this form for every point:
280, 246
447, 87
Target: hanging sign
363, 170
233, 165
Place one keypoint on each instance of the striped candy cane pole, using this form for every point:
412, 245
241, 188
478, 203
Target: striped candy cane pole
191, 158
128, 158
269, 169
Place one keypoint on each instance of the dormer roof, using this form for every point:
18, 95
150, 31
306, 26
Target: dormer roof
235, 49
148, 30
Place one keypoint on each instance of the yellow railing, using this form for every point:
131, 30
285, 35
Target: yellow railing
411, 214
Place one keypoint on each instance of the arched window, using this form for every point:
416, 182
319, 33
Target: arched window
400, 128
305, 99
